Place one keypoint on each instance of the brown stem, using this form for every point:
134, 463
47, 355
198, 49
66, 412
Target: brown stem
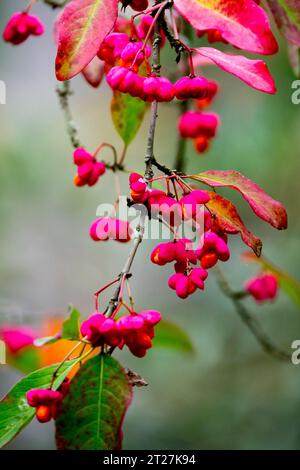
250, 321
64, 92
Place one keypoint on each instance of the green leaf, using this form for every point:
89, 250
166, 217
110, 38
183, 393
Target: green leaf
171, 336
287, 283
70, 328
15, 413
127, 115
92, 413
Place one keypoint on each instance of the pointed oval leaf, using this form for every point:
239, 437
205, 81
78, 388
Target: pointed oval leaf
127, 115
81, 29
242, 23
287, 283
253, 72
230, 222
262, 204
171, 336
93, 411
70, 327
15, 413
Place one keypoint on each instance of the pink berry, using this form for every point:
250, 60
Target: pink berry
46, 403
106, 228
133, 52
158, 89
138, 188
89, 169
195, 123
201, 143
212, 90
262, 288
100, 330
137, 330
212, 248
112, 47
20, 26
192, 204
191, 88
186, 284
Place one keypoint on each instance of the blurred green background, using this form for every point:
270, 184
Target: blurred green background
230, 394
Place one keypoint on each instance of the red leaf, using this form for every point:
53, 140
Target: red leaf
229, 221
242, 23
253, 72
262, 204
94, 72
81, 29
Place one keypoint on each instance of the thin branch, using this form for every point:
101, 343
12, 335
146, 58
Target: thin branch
180, 159
64, 92
125, 273
250, 321
153, 117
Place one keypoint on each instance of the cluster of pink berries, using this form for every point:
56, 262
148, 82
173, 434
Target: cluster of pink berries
46, 401
263, 287
126, 54
187, 279
158, 202
136, 331
108, 228
20, 26
89, 169
200, 125
153, 88
119, 48
191, 206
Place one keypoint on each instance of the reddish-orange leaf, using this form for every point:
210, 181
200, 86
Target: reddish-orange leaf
229, 220
262, 204
81, 29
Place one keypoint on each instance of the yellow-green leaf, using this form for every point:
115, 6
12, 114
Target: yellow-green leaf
127, 115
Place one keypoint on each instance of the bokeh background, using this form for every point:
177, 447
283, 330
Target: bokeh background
230, 394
